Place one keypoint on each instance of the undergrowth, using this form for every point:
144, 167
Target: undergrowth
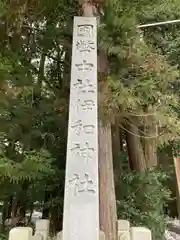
143, 198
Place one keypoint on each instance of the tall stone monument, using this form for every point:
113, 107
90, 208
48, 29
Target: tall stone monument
81, 202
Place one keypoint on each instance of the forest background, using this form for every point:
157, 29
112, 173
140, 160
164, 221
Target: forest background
138, 107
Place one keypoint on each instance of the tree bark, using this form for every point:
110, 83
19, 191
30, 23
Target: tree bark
10, 207
4, 215
38, 85
150, 146
134, 146
117, 150
13, 208
108, 217
46, 209
177, 170
55, 223
22, 201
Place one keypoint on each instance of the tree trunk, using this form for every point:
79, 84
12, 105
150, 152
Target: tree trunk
22, 201
31, 213
177, 170
108, 217
46, 209
150, 145
38, 85
4, 216
56, 222
116, 149
45, 213
134, 146
13, 208
10, 207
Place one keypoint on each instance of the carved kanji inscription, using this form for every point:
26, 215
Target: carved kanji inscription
83, 105
84, 66
85, 46
85, 30
86, 152
84, 184
84, 86
87, 105
78, 127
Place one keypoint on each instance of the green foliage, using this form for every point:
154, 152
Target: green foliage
144, 197
35, 60
34, 165
140, 75
3, 237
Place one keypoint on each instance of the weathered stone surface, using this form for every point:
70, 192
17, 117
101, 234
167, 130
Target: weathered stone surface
37, 237
123, 230
140, 233
102, 235
59, 236
20, 233
81, 202
123, 225
42, 228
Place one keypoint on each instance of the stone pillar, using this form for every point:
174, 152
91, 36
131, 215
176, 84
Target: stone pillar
140, 233
20, 233
123, 230
42, 228
81, 199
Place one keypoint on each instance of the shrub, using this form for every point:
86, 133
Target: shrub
144, 196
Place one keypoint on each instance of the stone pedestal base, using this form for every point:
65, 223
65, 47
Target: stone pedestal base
101, 236
123, 230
